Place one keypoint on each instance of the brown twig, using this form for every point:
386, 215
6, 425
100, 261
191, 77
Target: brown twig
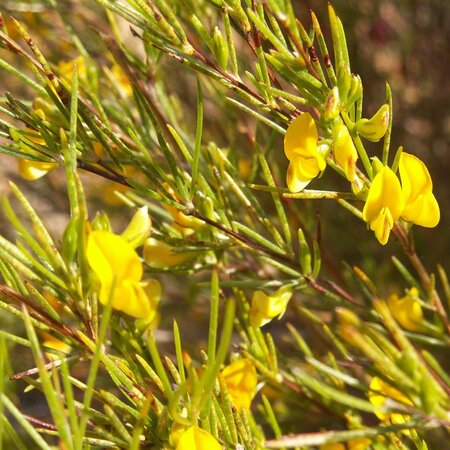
19, 300
48, 366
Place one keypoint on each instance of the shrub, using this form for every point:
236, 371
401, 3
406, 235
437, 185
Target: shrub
165, 335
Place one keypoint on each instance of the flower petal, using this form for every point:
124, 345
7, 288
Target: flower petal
375, 128
294, 178
195, 438
421, 206
32, 170
136, 303
241, 379
385, 192
382, 225
112, 257
416, 179
301, 137
344, 151
407, 310
265, 308
160, 255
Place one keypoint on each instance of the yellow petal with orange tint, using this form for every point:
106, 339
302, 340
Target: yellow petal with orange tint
241, 380
195, 438
33, 170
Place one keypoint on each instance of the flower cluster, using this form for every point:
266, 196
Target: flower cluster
388, 199
412, 200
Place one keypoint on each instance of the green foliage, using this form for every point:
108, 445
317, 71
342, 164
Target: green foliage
180, 107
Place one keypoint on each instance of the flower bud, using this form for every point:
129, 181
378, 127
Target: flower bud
139, 228
359, 188
101, 222
160, 255
347, 317
33, 170
407, 310
355, 91
375, 128
344, 150
70, 240
331, 108
377, 166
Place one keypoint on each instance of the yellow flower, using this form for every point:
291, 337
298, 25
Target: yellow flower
184, 223
139, 228
66, 68
266, 307
55, 344
122, 80
119, 270
159, 255
344, 151
33, 170
34, 135
195, 438
378, 394
241, 379
407, 310
384, 204
352, 444
300, 147
375, 128
421, 206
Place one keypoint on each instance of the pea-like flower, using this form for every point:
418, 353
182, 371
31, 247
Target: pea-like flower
121, 80
407, 310
421, 206
119, 270
344, 151
139, 228
266, 307
66, 68
33, 170
241, 379
384, 204
186, 224
195, 438
160, 255
379, 392
301, 149
61, 348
